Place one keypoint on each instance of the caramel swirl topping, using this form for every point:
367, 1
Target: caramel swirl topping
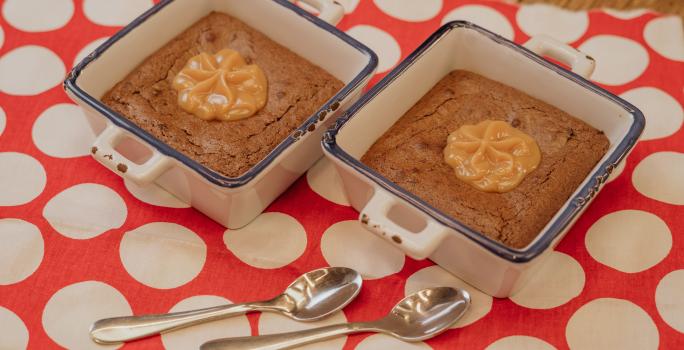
221, 86
492, 156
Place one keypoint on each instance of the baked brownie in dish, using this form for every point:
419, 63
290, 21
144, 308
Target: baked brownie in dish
411, 154
296, 89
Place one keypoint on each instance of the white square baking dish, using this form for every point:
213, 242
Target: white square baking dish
422, 231
129, 151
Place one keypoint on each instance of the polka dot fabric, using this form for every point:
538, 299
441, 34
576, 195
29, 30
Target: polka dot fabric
77, 243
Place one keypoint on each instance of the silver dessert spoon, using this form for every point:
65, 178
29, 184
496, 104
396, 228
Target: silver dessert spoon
310, 297
419, 316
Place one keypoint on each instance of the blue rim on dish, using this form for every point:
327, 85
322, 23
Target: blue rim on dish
214, 177
567, 214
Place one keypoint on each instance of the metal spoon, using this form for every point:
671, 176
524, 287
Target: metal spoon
312, 296
419, 316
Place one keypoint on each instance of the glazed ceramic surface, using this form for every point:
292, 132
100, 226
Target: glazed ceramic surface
136, 155
424, 232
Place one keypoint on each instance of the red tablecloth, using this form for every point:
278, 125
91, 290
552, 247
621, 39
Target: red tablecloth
77, 244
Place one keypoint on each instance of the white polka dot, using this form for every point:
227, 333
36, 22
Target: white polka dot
3, 120
618, 60
617, 171
668, 298
271, 323
70, 312
193, 337
559, 280
30, 70
114, 13
155, 195
625, 14
324, 180
349, 5
62, 131
21, 180
608, 323
382, 341
85, 211
38, 15
629, 240
664, 115
383, 44
271, 241
162, 255
520, 342
410, 10
435, 276
14, 334
2, 37
659, 176
665, 36
21, 251
483, 16
561, 24
349, 244
86, 50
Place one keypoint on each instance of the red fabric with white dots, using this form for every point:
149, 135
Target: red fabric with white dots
75, 243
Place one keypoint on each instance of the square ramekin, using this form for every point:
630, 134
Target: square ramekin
422, 231
131, 152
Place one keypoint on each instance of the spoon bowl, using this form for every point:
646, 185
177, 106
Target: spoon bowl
426, 313
319, 293
312, 296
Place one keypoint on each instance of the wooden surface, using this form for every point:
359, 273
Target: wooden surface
664, 6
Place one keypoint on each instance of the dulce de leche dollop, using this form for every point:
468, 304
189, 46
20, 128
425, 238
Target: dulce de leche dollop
492, 155
221, 86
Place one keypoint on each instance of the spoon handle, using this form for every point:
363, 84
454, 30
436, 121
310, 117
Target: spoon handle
285, 340
121, 329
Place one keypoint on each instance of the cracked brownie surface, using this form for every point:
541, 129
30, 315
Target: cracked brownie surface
410, 154
296, 89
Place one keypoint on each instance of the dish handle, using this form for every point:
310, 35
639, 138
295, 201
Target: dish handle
329, 10
104, 151
418, 245
579, 62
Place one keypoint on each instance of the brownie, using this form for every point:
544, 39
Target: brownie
296, 89
411, 155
